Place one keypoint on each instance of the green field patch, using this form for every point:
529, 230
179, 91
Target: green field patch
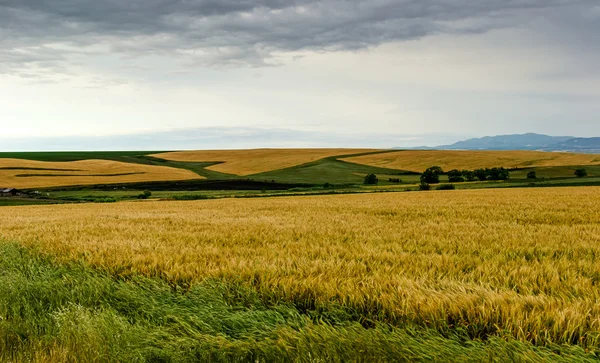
327, 170
6, 202
54, 312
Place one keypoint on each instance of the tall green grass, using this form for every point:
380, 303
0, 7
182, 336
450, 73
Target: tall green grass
73, 313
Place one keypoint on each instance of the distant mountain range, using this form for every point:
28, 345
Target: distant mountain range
528, 141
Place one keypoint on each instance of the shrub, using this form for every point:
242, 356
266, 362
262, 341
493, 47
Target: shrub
395, 180
371, 179
531, 175
145, 195
424, 186
446, 187
580, 173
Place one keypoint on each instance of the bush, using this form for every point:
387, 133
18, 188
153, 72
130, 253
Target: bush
145, 195
395, 180
531, 175
432, 175
327, 185
580, 173
446, 187
424, 186
371, 179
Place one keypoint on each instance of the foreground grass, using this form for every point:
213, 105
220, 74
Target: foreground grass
72, 313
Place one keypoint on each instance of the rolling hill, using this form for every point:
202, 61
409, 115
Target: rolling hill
256, 161
419, 160
19, 173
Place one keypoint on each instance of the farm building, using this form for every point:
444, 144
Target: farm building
10, 192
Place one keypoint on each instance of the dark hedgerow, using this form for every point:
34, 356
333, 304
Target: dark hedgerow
446, 187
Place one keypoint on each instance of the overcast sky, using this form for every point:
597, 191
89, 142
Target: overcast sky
361, 73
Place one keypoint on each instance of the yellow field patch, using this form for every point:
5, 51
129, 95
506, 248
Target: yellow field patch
419, 160
522, 262
255, 161
18, 173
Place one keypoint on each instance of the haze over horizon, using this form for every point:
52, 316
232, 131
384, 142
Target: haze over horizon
305, 73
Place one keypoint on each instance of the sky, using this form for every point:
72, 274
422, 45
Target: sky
202, 74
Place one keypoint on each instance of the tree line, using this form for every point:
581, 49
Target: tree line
432, 175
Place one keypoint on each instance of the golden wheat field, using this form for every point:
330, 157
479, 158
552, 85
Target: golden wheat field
419, 160
18, 173
523, 262
248, 162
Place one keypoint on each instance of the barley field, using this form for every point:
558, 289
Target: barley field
255, 161
521, 263
419, 160
18, 173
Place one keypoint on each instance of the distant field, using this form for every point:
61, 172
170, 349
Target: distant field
249, 162
77, 155
19, 173
419, 160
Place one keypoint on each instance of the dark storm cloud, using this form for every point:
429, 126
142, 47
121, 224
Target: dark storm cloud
48, 33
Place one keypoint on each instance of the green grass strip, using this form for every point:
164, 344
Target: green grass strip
74, 313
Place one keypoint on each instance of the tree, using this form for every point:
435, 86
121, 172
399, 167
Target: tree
531, 175
469, 175
580, 173
498, 174
455, 176
424, 186
481, 174
432, 175
371, 179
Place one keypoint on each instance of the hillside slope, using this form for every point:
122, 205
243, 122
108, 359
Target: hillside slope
419, 160
19, 173
255, 161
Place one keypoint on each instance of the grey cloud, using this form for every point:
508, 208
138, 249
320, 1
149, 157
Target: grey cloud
242, 32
